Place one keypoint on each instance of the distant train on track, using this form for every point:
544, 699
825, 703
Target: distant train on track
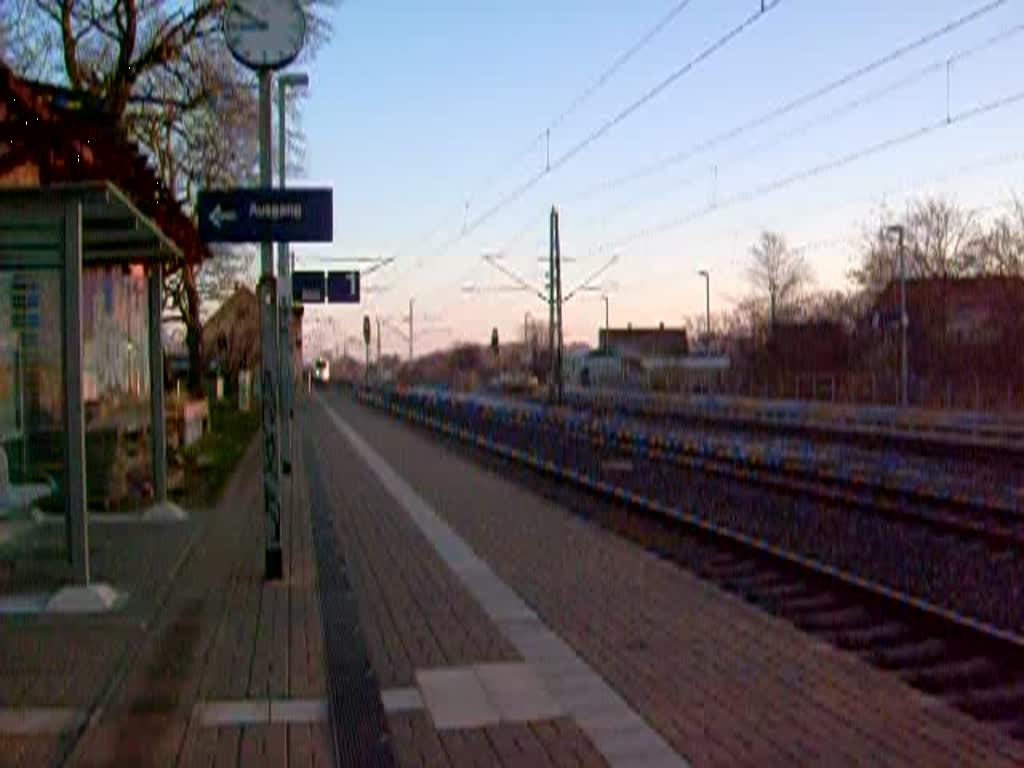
322, 370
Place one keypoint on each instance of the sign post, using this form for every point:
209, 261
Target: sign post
366, 339
264, 38
273, 564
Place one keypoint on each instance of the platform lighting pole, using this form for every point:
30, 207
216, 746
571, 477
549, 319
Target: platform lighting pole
900, 231
607, 327
707, 308
284, 272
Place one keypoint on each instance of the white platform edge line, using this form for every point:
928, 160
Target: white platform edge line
29, 721
222, 713
436, 530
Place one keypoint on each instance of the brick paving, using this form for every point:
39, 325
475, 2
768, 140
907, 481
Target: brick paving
65, 661
219, 632
225, 635
415, 615
724, 683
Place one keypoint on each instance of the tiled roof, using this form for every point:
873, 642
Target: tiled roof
54, 129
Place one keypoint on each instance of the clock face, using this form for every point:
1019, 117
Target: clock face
264, 34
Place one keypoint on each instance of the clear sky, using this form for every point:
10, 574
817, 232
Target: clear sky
416, 108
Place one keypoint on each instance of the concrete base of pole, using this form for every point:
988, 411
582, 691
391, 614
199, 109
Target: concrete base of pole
165, 512
93, 598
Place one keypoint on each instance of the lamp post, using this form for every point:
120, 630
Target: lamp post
607, 327
900, 231
707, 307
284, 270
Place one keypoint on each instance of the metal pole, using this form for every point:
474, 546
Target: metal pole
284, 299
74, 421
707, 308
558, 298
607, 327
378, 344
551, 305
410, 329
273, 565
158, 423
904, 370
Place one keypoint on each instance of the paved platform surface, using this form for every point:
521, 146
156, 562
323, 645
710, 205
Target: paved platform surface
226, 670
455, 690
719, 681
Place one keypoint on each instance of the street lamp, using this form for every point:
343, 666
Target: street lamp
607, 327
284, 271
900, 231
707, 306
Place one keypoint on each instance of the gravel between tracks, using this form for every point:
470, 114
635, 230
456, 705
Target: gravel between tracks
967, 576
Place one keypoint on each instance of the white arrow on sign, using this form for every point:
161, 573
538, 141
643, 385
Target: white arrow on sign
218, 215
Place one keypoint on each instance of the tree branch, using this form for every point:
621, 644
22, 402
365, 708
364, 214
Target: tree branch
71, 64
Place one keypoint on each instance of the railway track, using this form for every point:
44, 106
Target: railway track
971, 665
655, 457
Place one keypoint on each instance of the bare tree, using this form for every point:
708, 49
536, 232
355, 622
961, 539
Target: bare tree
1000, 250
159, 73
942, 237
833, 306
778, 273
941, 240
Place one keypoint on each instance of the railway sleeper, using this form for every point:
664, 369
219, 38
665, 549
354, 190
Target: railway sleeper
1003, 702
754, 582
959, 674
785, 590
922, 653
814, 602
851, 616
868, 637
724, 566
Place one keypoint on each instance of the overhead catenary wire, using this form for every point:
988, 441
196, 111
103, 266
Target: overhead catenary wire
619, 117
620, 62
665, 163
668, 161
847, 108
596, 85
820, 169
599, 82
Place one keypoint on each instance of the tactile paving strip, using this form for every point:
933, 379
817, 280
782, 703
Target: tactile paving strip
358, 725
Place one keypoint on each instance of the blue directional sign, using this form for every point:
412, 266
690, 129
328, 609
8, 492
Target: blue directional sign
308, 287
343, 287
266, 215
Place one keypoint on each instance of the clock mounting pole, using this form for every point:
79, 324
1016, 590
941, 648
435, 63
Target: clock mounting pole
269, 317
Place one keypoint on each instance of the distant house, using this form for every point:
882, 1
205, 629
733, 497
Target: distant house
231, 336
812, 347
644, 342
956, 327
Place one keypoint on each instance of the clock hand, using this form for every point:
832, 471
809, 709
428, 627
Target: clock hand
241, 10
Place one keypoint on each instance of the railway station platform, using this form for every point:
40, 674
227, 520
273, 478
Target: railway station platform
457, 569
436, 613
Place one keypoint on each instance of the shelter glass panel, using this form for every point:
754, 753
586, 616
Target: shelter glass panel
116, 386
31, 385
